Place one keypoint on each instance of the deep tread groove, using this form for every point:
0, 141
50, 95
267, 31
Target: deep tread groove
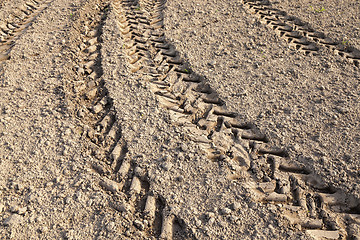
293, 28
10, 31
295, 186
118, 172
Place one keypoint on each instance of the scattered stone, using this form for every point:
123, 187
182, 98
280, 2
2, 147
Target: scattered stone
180, 178
127, 233
81, 113
67, 200
81, 70
166, 166
13, 220
184, 147
14, 209
111, 226
210, 215
22, 210
235, 206
198, 223
225, 211
139, 225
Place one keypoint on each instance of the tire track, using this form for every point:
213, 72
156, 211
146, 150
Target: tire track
127, 183
304, 199
297, 33
22, 17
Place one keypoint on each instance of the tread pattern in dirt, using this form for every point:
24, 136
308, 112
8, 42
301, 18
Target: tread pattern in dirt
123, 179
19, 20
298, 33
302, 197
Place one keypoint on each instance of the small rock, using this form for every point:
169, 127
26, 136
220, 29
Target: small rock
68, 131
235, 206
127, 233
252, 205
22, 210
341, 110
43, 229
180, 178
166, 166
82, 46
198, 223
92, 93
81, 113
81, 70
225, 211
31, 197
210, 215
2, 207
13, 220
184, 147
67, 200
110, 226
139, 225
19, 186
233, 218
14, 209
267, 187
212, 63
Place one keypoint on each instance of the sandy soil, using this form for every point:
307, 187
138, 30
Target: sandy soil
310, 104
88, 150
338, 19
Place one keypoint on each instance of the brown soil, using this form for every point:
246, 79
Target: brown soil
96, 144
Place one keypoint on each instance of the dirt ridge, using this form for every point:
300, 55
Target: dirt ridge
196, 102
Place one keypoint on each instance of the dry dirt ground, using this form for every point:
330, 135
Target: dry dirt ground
179, 120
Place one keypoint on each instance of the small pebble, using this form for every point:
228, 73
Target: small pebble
180, 178
198, 223
110, 226
235, 206
13, 220
139, 225
225, 211
166, 166
22, 210
14, 209
184, 147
